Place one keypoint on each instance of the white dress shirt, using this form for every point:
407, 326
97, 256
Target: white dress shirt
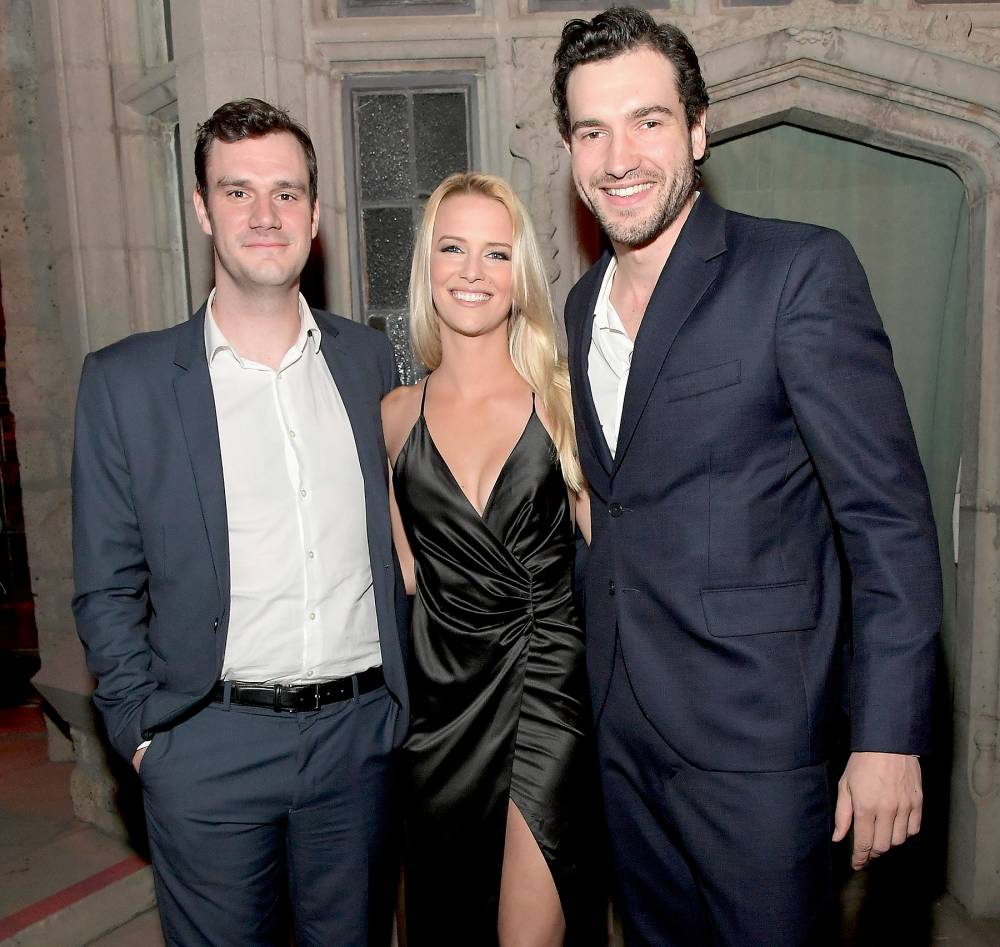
609, 360
302, 601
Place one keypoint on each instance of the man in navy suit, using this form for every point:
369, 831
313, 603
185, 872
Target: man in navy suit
236, 591
762, 539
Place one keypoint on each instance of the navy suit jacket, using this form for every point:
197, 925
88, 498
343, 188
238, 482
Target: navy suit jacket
150, 534
763, 535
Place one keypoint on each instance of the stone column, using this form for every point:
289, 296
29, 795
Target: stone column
40, 365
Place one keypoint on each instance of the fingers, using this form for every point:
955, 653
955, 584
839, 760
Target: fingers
885, 823
864, 839
843, 813
900, 825
137, 757
876, 831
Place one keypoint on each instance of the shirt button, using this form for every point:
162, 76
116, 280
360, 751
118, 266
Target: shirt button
291, 434
312, 616
309, 673
616, 509
302, 493
611, 587
311, 554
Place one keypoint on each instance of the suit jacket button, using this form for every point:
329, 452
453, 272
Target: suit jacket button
611, 587
616, 509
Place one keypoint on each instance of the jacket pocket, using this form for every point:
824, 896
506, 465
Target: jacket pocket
701, 381
760, 609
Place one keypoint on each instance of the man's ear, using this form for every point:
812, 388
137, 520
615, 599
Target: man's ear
315, 218
567, 145
202, 212
699, 136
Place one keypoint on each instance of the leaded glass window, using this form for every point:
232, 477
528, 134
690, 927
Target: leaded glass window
408, 133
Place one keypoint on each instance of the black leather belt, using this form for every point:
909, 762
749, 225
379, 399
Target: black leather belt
292, 697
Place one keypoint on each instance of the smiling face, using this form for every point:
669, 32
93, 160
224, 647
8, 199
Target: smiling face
632, 151
470, 266
257, 211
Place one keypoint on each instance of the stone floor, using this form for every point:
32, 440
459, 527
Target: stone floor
65, 884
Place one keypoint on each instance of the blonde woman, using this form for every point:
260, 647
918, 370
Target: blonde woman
502, 829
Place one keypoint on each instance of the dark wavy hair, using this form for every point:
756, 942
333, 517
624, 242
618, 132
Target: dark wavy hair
249, 118
621, 30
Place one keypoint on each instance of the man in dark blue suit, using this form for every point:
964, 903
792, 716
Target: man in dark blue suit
762, 539
236, 589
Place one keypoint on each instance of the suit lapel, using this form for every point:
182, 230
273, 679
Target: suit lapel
694, 264
358, 404
196, 404
580, 370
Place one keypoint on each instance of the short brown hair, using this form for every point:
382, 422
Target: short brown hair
621, 30
250, 118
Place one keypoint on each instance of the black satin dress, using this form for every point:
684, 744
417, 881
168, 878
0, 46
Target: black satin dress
498, 694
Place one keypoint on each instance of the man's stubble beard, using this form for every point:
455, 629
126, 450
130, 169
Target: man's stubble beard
638, 231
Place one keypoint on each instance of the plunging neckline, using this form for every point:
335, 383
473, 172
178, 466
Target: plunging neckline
500, 474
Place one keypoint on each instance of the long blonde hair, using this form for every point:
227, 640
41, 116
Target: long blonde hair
531, 330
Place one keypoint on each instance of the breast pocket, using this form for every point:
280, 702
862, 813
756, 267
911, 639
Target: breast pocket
701, 381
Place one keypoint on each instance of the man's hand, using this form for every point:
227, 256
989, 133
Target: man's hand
881, 792
138, 755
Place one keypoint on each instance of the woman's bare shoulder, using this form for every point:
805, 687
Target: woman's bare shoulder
400, 410
401, 399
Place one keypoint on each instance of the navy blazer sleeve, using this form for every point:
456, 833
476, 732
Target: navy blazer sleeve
111, 602
835, 363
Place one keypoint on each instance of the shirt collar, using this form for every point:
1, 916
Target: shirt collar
215, 340
606, 319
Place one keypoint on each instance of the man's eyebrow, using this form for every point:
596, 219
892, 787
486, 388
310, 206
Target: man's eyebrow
643, 111
585, 123
646, 110
282, 185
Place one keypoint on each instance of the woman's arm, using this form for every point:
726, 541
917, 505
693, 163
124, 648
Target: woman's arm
402, 544
397, 410
582, 513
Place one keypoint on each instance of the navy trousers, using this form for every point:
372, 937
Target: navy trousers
251, 810
705, 858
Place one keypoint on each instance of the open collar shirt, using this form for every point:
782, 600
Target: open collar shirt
302, 605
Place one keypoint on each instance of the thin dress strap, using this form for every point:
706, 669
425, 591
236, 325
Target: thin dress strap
423, 395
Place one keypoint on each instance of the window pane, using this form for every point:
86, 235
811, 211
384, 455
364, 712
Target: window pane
382, 123
388, 247
409, 131
440, 130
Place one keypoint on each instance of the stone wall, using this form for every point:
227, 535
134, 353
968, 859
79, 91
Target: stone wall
40, 372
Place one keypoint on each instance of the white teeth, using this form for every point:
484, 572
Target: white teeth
628, 191
470, 297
